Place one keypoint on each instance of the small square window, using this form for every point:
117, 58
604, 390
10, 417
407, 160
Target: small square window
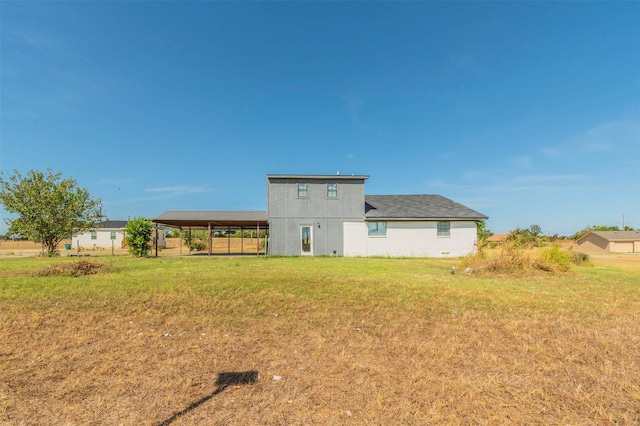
444, 229
332, 190
113, 235
94, 235
303, 190
377, 229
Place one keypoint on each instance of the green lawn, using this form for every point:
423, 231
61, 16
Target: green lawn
366, 341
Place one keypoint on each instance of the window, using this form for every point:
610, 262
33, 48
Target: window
94, 235
303, 190
444, 229
377, 229
113, 235
332, 190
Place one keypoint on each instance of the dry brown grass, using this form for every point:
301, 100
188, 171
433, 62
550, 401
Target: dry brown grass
386, 361
474, 368
75, 269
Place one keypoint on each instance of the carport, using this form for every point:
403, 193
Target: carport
223, 222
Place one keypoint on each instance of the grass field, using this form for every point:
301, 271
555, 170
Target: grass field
299, 341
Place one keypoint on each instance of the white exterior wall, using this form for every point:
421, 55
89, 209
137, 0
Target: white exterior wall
355, 239
411, 239
103, 239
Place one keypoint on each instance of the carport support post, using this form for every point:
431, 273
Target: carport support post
180, 228
156, 241
209, 232
258, 239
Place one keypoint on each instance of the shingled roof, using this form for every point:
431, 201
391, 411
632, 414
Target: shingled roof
112, 224
412, 207
614, 235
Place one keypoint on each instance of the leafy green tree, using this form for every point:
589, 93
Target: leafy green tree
49, 209
535, 230
526, 237
138, 236
483, 231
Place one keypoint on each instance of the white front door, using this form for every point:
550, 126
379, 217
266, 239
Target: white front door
306, 238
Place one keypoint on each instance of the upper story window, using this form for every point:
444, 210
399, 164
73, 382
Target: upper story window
377, 229
444, 229
94, 235
113, 235
332, 190
303, 190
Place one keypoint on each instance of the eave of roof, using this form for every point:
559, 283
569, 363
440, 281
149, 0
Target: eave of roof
213, 218
319, 177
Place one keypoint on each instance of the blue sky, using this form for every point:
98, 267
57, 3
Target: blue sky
528, 112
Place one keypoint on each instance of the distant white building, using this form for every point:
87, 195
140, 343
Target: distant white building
106, 235
109, 234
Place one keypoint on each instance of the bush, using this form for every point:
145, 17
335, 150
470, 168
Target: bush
138, 232
554, 259
580, 258
196, 240
513, 259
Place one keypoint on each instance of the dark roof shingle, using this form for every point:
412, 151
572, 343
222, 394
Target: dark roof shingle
112, 224
424, 206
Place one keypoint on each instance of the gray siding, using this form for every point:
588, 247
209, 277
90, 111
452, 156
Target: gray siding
287, 213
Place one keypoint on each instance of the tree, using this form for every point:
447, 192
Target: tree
138, 236
483, 231
49, 209
526, 237
535, 230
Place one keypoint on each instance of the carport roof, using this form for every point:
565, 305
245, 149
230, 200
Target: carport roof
204, 219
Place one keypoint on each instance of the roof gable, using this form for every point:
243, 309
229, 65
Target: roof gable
613, 235
423, 206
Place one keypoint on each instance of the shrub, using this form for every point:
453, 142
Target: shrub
513, 259
196, 240
580, 258
138, 231
554, 259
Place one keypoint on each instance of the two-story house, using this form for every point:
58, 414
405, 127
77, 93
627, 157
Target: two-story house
315, 215
307, 213
331, 215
